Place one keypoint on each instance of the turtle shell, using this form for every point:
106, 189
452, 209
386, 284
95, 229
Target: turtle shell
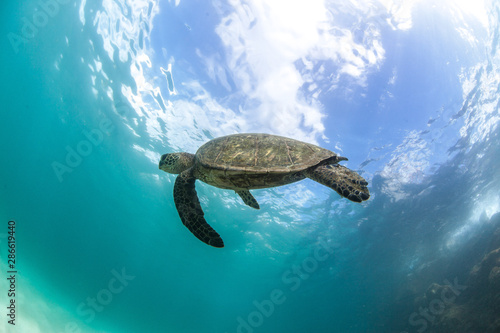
260, 153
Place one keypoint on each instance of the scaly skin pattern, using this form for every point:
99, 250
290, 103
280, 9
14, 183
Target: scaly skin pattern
248, 198
189, 209
345, 182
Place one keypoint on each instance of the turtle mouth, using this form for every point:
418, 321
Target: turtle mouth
162, 161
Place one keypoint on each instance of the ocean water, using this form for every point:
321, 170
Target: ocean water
94, 92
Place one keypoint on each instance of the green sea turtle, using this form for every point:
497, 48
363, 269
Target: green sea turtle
242, 162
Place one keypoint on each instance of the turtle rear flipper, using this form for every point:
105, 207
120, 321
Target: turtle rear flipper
248, 198
344, 181
189, 209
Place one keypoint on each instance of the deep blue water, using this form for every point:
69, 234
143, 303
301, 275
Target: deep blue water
94, 92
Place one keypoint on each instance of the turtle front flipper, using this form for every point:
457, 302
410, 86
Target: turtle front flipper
344, 181
189, 209
248, 198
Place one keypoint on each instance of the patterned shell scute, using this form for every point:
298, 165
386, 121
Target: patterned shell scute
260, 153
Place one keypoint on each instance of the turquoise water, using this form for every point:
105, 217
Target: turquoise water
94, 92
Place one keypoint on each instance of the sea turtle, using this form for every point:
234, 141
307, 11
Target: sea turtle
242, 162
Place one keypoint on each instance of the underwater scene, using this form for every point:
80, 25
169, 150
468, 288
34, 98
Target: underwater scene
250, 166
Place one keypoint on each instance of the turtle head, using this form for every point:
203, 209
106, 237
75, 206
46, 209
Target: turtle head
176, 162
